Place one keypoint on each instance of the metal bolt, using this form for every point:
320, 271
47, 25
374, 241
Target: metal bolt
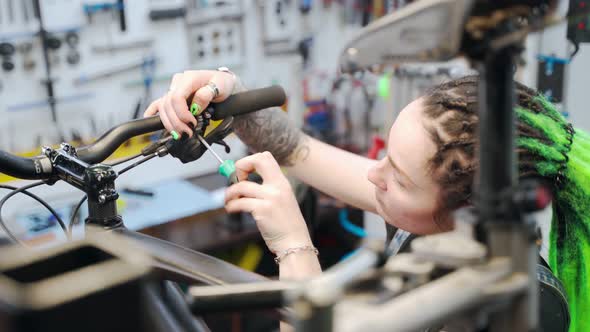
46, 150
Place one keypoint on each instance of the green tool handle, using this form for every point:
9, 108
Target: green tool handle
228, 169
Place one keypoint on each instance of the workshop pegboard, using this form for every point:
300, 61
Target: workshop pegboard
106, 57
104, 79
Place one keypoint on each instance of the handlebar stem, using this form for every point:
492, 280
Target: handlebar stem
97, 181
102, 197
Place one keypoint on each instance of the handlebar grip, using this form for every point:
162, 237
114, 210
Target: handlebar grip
24, 168
249, 101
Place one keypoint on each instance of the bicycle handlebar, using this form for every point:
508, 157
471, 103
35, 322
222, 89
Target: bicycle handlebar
238, 104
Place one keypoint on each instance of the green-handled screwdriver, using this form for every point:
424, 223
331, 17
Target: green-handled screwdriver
227, 168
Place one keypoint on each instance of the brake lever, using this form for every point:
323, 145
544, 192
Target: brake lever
217, 135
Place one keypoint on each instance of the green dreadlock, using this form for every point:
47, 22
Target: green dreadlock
548, 147
565, 158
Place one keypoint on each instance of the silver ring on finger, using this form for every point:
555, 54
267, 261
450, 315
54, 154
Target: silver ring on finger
214, 90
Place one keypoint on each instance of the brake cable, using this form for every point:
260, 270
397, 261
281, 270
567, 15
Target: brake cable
74, 214
24, 190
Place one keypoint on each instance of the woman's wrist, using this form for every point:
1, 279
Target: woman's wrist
297, 257
303, 264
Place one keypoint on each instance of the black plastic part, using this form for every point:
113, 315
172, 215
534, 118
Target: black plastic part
73, 57
497, 156
250, 101
7, 49
190, 149
19, 167
551, 82
109, 142
118, 300
578, 30
175, 300
102, 197
53, 43
157, 313
264, 298
72, 39
7, 65
122, 18
485, 7
167, 14
553, 305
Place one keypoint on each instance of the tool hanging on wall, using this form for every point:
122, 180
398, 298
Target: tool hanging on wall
45, 46
43, 103
98, 49
122, 19
119, 6
6, 52
551, 77
72, 40
53, 45
148, 70
304, 6
167, 14
578, 30
28, 62
87, 78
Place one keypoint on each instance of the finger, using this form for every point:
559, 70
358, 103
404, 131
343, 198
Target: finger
164, 118
262, 163
244, 189
221, 81
179, 105
193, 80
175, 79
202, 98
242, 205
179, 126
153, 108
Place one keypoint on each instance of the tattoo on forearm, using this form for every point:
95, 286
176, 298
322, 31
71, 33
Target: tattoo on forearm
270, 130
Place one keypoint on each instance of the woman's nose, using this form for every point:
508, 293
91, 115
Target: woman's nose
375, 176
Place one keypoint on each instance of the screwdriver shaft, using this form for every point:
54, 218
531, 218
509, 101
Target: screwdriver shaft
204, 142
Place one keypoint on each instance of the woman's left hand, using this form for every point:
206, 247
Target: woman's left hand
272, 203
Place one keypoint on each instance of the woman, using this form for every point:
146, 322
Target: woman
426, 174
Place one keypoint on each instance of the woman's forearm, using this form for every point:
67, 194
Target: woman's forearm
336, 172
270, 130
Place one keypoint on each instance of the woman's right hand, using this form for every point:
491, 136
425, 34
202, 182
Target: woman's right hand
173, 108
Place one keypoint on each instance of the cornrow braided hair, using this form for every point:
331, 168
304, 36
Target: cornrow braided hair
548, 148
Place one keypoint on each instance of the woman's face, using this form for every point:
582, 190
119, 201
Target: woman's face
405, 191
